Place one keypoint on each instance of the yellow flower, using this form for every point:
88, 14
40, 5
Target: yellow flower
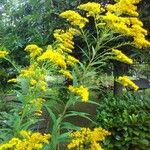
85, 137
28, 141
34, 50
126, 7
74, 18
43, 85
38, 104
141, 42
54, 57
66, 73
122, 57
91, 7
25, 134
33, 82
30, 71
127, 82
71, 60
3, 54
81, 91
65, 40
129, 25
14, 80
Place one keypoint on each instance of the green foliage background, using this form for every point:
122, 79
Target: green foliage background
127, 117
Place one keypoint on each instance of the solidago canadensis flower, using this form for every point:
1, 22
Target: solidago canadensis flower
81, 91
122, 17
126, 7
65, 39
38, 103
71, 60
122, 57
13, 80
3, 54
74, 18
66, 73
28, 72
28, 141
36, 77
34, 50
91, 8
86, 138
127, 82
53, 56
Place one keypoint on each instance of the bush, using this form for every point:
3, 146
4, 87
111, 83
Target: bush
128, 119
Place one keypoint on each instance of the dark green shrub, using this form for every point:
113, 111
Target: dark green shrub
128, 119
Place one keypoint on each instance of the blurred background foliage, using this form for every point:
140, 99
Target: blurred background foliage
127, 117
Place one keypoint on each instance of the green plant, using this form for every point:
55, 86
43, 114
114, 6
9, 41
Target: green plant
127, 117
34, 93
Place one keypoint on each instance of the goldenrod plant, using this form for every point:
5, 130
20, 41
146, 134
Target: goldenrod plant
34, 92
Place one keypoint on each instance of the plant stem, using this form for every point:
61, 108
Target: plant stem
13, 64
86, 41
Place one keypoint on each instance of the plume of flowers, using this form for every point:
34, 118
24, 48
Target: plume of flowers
125, 81
122, 57
27, 140
74, 18
86, 138
81, 91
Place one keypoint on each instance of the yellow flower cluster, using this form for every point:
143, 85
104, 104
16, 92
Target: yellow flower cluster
92, 8
28, 72
66, 73
34, 50
58, 54
13, 80
3, 54
74, 18
81, 91
129, 25
127, 82
65, 39
71, 60
122, 57
53, 56
29, 141
125, 7
88, 138
38, 103
35, 75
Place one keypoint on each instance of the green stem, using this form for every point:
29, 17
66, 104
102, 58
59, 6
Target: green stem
116, 37
86, 41
57, 125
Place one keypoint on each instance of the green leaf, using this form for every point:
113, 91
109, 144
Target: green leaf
52, 115
68, 125
81, 114
64, 137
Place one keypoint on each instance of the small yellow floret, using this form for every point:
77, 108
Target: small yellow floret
3, 54
34, 50
28, 140
127, 82
71, 60
13, 80
66, 73
54, 57
91, 7
74, 18
33, 82
86, 138
122, 57
81, 91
